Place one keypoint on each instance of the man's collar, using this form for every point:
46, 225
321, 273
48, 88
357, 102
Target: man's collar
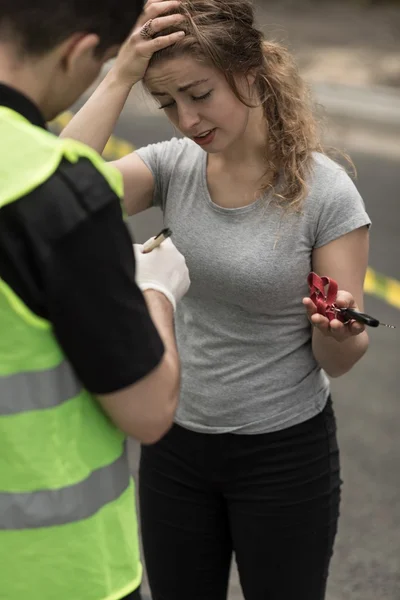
13, 99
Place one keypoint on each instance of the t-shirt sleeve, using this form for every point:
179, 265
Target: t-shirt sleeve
340, 209
161, 159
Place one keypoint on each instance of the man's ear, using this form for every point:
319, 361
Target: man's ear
77, 48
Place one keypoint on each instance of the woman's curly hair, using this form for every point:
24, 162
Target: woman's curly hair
222, 33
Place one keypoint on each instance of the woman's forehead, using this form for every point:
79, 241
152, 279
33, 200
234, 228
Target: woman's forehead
177, 72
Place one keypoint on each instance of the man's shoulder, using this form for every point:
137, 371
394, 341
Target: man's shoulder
85, 182
73, 194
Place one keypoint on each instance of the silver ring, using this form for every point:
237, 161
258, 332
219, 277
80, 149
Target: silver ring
147, 32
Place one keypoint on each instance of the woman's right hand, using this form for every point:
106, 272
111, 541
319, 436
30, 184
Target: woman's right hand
133, 58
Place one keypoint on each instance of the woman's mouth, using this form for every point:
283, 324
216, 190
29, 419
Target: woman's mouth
205, 138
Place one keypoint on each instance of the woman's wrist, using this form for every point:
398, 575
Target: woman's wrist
338, 357
118, 80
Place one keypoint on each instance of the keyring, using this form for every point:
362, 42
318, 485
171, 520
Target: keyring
146, 32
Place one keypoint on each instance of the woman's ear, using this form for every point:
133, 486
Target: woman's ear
251, 77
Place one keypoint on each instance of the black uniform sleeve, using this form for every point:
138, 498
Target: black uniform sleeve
98, 312
65, 249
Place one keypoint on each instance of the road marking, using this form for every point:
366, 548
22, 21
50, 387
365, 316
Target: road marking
376, 284
115, 148
382, 287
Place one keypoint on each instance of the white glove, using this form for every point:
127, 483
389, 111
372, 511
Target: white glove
164, 270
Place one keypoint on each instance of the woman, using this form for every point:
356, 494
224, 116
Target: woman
251, 466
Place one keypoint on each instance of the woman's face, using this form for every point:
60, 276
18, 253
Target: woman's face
199, 102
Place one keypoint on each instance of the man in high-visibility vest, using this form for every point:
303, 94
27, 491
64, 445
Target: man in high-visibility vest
86, 358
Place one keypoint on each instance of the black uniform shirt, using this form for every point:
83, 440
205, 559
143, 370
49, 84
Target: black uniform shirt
66, 252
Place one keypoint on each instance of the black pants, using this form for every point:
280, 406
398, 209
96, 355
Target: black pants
272, 499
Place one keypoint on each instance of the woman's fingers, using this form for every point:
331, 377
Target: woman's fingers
356, 328
310, 307
134, 56
144, 39
160, 23
321, 323
335, 328
161, 42
155, 26
155, 9
345, 300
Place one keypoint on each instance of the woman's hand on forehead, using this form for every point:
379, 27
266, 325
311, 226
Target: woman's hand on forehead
134, 57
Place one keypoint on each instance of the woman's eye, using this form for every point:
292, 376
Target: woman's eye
163, 106
195, 98
207, 95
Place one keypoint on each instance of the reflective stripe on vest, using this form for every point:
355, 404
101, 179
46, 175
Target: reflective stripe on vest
38, 390
59, 507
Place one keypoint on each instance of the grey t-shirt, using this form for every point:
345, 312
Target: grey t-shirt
243, 335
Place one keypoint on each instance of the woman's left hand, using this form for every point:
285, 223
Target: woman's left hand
335, 328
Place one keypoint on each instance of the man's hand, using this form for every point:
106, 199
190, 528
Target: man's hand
164, 270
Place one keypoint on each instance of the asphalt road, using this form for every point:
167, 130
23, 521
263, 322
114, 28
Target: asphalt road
366, 563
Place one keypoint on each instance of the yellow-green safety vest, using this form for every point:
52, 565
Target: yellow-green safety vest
68, 528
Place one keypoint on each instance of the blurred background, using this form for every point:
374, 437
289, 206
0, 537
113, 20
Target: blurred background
349, 52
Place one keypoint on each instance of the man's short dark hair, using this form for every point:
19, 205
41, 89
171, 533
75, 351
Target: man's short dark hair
38, 26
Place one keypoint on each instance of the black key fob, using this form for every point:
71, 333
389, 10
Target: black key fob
360, 317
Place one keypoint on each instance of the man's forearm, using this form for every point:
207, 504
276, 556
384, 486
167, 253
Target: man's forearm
94, 123
146, 409
162, 315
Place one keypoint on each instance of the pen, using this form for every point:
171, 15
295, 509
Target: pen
156, 241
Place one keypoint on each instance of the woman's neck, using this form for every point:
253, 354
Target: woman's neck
251, 148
